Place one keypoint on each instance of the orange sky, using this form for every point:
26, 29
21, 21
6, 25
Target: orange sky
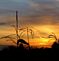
43, 15
41, 31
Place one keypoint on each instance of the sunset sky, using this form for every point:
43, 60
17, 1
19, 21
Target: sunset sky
43, 15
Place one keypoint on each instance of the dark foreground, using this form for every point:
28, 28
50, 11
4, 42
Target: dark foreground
30, 53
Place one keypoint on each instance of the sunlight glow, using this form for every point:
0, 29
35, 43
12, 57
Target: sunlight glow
40, 38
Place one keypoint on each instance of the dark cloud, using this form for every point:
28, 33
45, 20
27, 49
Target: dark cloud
37, 11
32, 7
2, 23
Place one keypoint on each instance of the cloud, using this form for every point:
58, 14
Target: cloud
31, 7
39, 20
2, 23
57, 0
35, 10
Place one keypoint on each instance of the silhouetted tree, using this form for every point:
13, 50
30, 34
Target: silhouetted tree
22, 41
55, 45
